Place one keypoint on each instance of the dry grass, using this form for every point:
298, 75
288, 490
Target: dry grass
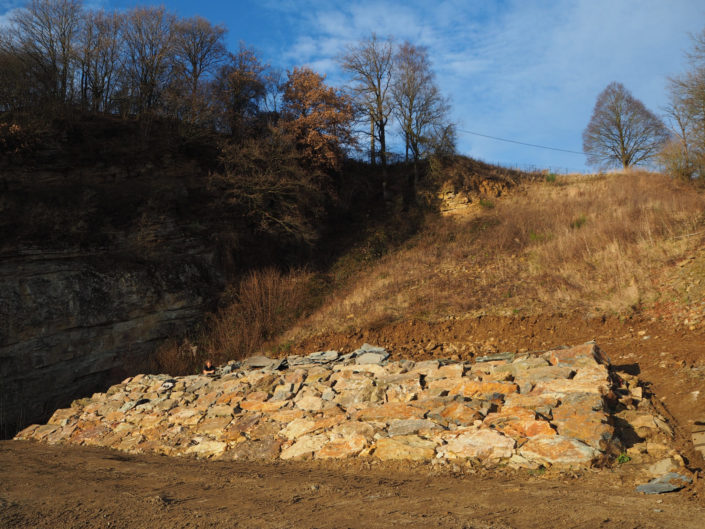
260, 307
592, 243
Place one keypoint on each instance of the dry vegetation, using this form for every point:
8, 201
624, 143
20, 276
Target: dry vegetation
591, 243
262, 306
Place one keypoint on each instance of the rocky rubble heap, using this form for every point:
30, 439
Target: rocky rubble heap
525, 410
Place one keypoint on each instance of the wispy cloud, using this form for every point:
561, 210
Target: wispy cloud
526, 70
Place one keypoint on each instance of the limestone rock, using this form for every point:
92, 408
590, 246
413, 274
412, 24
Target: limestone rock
558, 450
305, 447
478, 444
410, 447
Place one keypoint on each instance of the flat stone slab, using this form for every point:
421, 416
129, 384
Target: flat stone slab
670, 482
329, 405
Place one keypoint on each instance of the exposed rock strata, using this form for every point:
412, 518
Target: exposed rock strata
72, 322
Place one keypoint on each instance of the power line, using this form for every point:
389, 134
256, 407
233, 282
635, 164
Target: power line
521, 142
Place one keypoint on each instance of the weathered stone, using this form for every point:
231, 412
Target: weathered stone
590, 427
370, 354
668, 483
305, 447
579, 356
310, 403
264, 429
269, 406
220, 411
558, 450
185, 416
208, 449
471, 388
428, 368
62, 416
323, 357
662, 467
213, 425
495, 357
264, 449
298, 428
29, 432
343, 447
390, 411
459, 413
262, 362
539, 403
352, 428
542, 374
409, 426
286, 415
479, 444
559, 388
518, 423
410, 447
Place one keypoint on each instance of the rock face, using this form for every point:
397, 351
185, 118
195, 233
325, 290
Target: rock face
71, 322
328, 406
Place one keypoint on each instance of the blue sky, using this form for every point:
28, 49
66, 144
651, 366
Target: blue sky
526, 70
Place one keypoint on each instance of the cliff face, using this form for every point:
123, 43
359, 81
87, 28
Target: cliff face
98, 264
73, 323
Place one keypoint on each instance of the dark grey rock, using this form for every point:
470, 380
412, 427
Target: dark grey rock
263, 362
498, 356
323, 357
370, 354
670, 482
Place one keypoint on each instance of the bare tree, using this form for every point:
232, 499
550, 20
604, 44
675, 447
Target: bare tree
419, 106
622, 131
101, 58
199, 49
43, 35
149, 40
371, 64
687, 115
241, 87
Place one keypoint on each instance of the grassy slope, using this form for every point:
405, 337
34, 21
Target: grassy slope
589, 244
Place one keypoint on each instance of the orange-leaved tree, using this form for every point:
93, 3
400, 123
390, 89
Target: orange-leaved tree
318, 117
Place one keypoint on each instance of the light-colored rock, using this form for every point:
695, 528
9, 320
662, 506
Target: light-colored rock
305, 447
477, 444
310, 403
409, 426
558, 450
208, 449
410, 447
343, 447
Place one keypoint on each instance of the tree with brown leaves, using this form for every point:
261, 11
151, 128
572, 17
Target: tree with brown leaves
318, 117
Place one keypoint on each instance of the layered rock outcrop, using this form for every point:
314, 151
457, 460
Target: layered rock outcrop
527, 410
72, 322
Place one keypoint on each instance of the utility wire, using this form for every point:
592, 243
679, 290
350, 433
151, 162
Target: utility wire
520, 142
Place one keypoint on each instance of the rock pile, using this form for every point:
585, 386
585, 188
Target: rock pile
525, 410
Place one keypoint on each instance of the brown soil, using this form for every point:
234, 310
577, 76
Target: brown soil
58, 487
43, 486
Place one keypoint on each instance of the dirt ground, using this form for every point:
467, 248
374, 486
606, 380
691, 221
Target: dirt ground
70, 487
60, 487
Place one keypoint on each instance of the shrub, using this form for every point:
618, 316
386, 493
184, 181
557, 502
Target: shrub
261, 306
